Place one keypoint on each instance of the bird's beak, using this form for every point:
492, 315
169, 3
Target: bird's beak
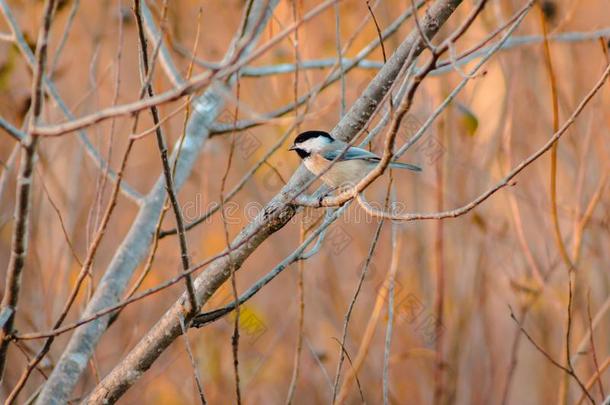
292, 147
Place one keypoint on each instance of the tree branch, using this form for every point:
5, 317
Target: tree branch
134, 247
199, 82
21, 230
502, 183
167, 171
50, 88
273, 217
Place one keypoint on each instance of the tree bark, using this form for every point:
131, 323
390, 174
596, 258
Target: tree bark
274, 216
134, 247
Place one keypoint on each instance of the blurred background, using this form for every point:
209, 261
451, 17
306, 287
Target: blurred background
457, 280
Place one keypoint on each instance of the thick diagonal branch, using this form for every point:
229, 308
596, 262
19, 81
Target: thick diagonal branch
134, 247
273, 217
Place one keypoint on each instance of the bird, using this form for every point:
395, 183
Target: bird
317, 149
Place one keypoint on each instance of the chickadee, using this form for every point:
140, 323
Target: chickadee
318, 149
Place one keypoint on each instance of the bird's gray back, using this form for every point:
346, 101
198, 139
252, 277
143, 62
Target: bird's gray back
337, 148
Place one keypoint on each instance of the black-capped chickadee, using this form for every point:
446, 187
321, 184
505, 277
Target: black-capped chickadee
318, 149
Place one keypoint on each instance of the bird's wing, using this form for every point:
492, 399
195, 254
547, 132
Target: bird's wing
352, 153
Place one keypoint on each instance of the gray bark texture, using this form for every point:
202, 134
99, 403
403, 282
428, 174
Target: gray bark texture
272, 218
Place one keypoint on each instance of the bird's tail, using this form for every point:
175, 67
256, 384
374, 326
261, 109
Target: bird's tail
398, 165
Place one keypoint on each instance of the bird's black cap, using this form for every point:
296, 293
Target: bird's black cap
303, 136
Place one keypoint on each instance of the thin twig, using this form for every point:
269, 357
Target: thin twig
60, 218
332, 77
235, 336
550, 358
597, 377
396, 250
87, 263
164, 56
21, 230
352, 303
193, 362
92, 152
392, 132
365, 344
422, 34
6, 173
553, 169
339, 58
300, 323
593, 350
104, 173
187, 114
167, 171
292, 387
439, 273
211, 316
197, 83
15, 133
351, 364
444, 66
64, 37
505, 181
137, 241
84, 272
267, 223
309, 98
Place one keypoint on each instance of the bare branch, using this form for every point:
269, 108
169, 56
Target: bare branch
21, 230
395, 123
445, 66
197, 83
350, 308
568, 370
193, 362
274, 216
164, 56
11, 130
134, 247
167, 171
333, 77
502, 183
50, 88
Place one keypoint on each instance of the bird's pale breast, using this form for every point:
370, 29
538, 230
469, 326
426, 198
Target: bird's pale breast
346, 172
